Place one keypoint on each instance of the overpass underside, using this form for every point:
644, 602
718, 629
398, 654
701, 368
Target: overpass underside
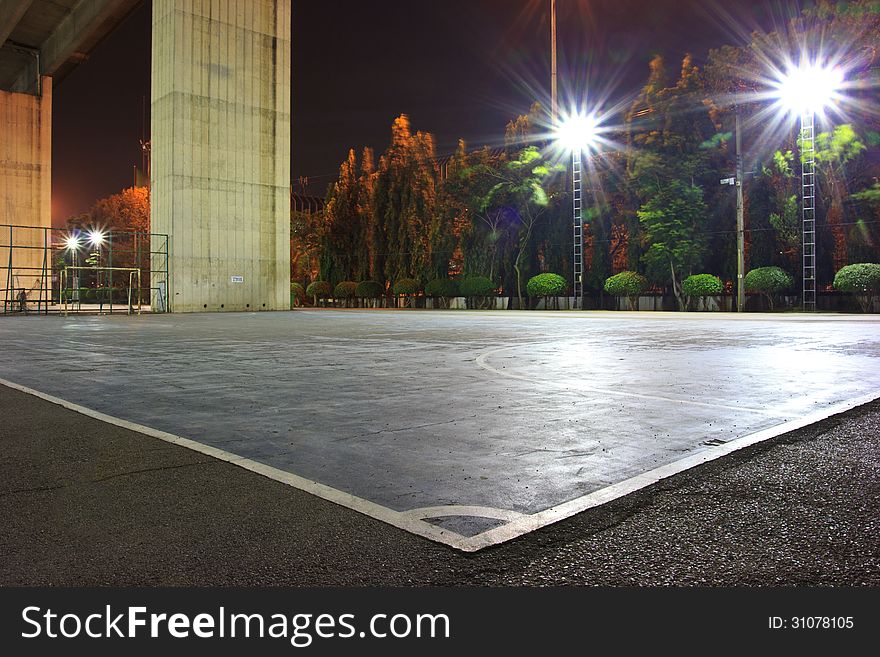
220, 136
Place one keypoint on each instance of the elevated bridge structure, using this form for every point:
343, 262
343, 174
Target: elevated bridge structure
220, 138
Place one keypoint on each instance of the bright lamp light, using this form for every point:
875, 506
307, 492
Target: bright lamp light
72, 242
96, 237
808, 88
578, 132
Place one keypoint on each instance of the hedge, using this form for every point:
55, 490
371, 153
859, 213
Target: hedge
406, 286
768, 281
345, 290
441, 287
476, 286
319, 290
861, 279
702, 285
545, 285
627, 284
368, 290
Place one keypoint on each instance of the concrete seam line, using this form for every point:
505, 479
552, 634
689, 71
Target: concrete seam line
359, 504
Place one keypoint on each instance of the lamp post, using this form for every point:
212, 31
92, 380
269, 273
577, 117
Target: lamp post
96, 239
554, 88
72, 246
578, 133
807, 90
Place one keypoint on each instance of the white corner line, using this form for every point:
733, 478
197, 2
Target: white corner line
396, 518
529, 523
465, 511
517, 525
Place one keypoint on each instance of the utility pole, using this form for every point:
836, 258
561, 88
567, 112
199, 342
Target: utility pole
740, 222
554, 90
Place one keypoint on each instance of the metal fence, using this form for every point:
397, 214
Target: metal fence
49, 270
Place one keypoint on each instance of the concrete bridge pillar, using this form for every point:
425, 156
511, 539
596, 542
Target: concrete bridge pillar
221, 151
25, 187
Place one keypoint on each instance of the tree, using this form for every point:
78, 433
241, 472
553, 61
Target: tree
862, 280
786, 221
343, 253
672, 219
833, 151
405, 200
769, 281
520, 187
627, 284
306, 240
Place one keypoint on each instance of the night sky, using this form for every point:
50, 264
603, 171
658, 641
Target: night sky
458, 68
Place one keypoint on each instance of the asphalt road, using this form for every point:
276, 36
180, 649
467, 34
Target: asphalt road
88, 503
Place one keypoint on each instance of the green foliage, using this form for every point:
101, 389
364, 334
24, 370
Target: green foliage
297, 290
861, 279
345, 290
768, 280
782, 163
702, 285
368, 290
406, 286
838, 146
476, 286
319, 290
545, 285
672, 218
870, 195
626, 284
441, 287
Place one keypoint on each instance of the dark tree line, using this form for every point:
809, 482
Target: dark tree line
654, 205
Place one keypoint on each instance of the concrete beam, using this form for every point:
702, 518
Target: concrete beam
11, 12
84, 26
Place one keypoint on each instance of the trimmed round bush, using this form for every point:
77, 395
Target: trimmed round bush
545, 285
629, 284
319, 290
626, 284
861, 279
297, 291
768, 281
368, 290
406, 286
702, 285
476, 286
345, 290
441, 287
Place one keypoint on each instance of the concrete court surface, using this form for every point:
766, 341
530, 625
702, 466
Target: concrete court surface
468, 428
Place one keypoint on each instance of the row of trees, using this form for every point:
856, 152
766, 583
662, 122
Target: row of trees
654, 206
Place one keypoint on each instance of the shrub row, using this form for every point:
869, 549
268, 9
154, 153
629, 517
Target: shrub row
861, 280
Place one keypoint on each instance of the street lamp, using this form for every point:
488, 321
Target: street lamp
579, 132
806, 90
96, 237
72, 244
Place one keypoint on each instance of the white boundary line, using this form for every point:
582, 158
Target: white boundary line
517, 526
377, 511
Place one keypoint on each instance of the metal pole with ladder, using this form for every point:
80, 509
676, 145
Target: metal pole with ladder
578, 221
808, 208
